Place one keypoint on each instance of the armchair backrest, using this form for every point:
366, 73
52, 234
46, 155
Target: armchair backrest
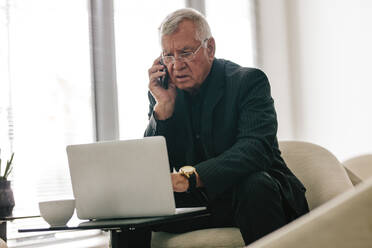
359, 168
318, 169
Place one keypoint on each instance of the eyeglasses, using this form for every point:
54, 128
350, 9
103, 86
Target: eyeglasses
183, 57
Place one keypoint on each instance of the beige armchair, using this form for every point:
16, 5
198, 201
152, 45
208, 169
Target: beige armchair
343, 222
319, 170
3, 244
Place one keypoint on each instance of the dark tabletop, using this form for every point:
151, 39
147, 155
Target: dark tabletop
127, 223
11, 218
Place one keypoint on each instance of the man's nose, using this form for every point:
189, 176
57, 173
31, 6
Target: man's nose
179, 65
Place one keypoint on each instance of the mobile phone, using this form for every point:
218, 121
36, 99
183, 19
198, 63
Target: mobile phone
163, 81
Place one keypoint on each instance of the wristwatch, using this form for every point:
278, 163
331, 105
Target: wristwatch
190, 173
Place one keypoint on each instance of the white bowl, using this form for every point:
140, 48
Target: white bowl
57, 213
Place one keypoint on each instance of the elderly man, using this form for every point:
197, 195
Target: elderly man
220, 125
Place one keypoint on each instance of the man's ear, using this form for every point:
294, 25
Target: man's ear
211, 48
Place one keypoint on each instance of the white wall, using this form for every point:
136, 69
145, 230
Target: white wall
272, 56
318, 55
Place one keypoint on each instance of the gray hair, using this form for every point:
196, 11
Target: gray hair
171, 22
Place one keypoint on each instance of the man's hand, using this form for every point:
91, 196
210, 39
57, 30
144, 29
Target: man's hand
179, 182
165, 98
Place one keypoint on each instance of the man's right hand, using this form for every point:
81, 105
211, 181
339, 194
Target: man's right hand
165, 98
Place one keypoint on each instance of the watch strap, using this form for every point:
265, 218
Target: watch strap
192, 182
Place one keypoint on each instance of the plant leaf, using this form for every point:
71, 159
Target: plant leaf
11, 159
8, 166
6, 176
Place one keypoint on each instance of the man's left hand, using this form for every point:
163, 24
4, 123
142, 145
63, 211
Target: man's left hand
179, 182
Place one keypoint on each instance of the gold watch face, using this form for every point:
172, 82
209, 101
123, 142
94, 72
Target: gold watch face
187, 170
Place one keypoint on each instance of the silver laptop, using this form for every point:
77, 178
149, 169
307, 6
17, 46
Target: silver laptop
120, 179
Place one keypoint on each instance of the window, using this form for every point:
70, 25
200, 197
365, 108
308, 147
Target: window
137, 46
45, 94
231, 26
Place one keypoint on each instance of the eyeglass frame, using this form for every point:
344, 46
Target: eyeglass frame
180, 56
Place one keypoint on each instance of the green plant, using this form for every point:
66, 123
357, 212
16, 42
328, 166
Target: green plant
8, 168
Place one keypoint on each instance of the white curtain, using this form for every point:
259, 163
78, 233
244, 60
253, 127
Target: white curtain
318, 56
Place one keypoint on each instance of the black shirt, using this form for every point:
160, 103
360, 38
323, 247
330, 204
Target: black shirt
195, 103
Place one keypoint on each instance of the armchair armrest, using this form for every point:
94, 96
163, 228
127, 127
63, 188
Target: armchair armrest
342, 222
3, 244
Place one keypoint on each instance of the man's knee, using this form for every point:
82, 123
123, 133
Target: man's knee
258, 185
258, 206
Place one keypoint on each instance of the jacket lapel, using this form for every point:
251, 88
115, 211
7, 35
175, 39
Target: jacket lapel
214, 94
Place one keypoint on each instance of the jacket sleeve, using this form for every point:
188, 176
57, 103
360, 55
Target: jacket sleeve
155, 127
256, 133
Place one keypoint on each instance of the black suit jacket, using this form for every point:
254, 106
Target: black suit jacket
238, 133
